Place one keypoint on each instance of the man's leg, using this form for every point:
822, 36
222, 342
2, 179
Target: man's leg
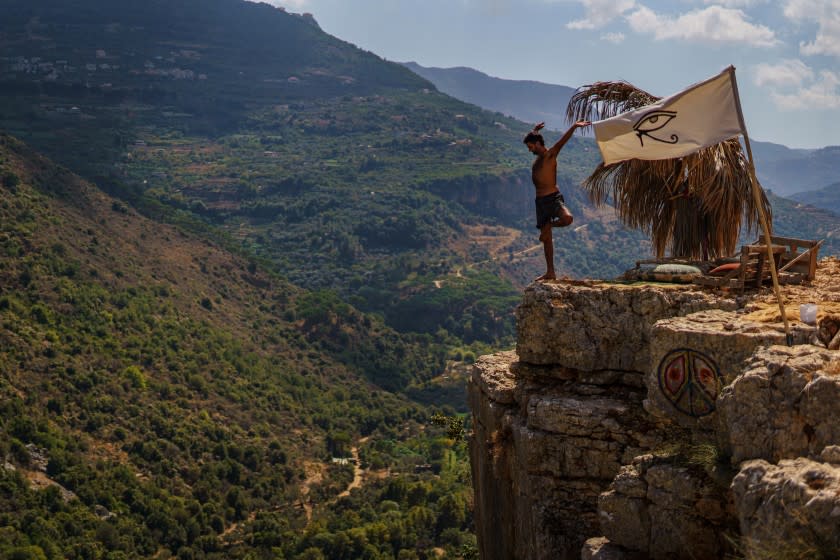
564, 217
548, 249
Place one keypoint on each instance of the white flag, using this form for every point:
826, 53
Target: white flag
697, 117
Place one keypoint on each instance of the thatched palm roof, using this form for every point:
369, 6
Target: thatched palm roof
694, 205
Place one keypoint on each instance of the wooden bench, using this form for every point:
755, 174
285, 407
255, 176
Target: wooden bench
792, 266
796, 262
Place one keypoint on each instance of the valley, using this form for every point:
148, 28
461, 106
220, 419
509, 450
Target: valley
235, 251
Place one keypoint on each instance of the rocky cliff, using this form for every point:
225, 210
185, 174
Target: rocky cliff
659, 421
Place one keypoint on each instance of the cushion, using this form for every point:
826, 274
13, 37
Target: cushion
724, 268
680, 269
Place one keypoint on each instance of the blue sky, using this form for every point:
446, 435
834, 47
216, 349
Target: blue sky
786, 52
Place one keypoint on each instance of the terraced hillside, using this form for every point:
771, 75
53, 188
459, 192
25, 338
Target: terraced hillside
160, 395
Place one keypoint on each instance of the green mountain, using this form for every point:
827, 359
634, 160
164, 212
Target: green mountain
344, 171
284, 250
183, 355
161, 396
101, 70
347, 172
826, 197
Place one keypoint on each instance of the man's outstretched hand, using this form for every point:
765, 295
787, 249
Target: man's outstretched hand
579, 124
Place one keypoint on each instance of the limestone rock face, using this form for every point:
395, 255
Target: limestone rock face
786, 404
600, 326
546, 442
791, 510
665, 511
694, 356
616, 428
490, 394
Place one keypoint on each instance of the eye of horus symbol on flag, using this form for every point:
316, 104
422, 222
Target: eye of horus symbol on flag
652, 122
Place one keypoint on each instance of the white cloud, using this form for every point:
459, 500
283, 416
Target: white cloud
615, 38
826, 14
788, 73
599, 13
714, 24
291, 4
823, 93
734, 3
793, 85
809, 9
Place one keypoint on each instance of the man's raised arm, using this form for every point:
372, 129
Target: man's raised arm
555, 149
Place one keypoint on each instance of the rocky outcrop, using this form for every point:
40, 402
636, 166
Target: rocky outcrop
784, 405
505, 197
663, 509
693, 357
592, 326
547, 441
652, 421
789, 510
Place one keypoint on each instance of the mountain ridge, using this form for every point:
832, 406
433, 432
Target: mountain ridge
827, 197
513, 98
779, 168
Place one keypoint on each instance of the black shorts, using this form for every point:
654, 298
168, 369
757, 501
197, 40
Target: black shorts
549, 207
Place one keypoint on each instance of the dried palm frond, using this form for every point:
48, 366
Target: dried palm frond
603, 100
694, 205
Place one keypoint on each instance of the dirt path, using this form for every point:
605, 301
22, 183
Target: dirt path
358, 471
314, 475
314, 472
357, 474
516, 254
234, 526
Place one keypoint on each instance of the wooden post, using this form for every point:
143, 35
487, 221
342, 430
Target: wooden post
761, 215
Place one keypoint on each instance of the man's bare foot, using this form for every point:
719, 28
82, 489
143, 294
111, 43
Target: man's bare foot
563, 220
546, 276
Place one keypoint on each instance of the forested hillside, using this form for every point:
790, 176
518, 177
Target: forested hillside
346, 172
161, 396
803, 221
171, 386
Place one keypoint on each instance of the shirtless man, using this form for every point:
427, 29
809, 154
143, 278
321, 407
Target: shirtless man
550, 208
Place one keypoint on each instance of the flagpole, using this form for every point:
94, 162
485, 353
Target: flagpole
761, 215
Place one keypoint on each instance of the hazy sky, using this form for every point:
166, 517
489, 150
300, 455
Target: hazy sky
786, 52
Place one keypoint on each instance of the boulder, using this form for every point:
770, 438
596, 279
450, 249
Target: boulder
785, 404
664, 510
788, 510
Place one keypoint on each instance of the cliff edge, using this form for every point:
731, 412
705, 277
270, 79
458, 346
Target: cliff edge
659, 421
